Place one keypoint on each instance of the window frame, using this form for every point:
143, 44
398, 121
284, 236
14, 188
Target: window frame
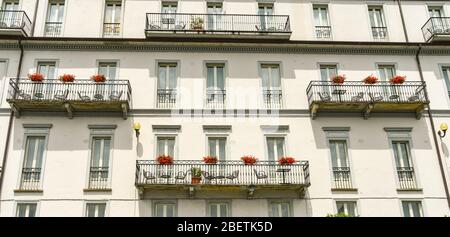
220, 201
422, 205
171, 202
356, 201
25, 202
276, 201
47, 12
103, 15
384, 21
3, 83
223, 136
86, 202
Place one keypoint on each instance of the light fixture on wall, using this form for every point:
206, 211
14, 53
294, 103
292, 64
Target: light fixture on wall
137, 128
443, 130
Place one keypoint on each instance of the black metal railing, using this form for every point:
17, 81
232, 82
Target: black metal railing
231, 23
379, 33
406, 178
98, 178
323, 32
166, 98
31, 179
359, 92
53, 29
342, 178
436, 26
111, 29
15, 20
79, 90
215, 98
223, 173
273, 98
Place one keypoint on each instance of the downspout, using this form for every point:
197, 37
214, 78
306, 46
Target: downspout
36, 5
11, 119
433, 130
403, 20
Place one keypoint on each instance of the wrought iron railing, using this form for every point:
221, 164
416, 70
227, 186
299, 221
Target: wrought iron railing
111, 29
273, 98
215, 98
436, 26
15, 20
379, 33
223, 173
406, 178
98, 178
166, 98
323, 32
31, 179
218, 23
342, 178
359, 92
53, 29
79, 90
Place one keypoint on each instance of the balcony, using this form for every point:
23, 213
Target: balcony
436, 29
323, 32
215, 99
81, 96
379, 33
225, 176
111, 29
98, 179
325, 97
406, 179
14, 23
273, 99
53, 29
166, 98
217, 26
31, 180
342, 179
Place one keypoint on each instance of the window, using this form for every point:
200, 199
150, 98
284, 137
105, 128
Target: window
95, 209
47, 69
99, 167
446, 73
405, 170
435, 11
327, 72
167, 78
108, 69
215, 76
340, 165
386, 72
270, 74
323, 29
412, 209
32, 165
275, 148
347, 207
9, 18
265, 12
55, 15
164, 210
26, 209
401, 152
10, 5
215, 19
379, 30
168, 10
111, 23
166, 146
219, 209
217, 147
2, 78
280, 209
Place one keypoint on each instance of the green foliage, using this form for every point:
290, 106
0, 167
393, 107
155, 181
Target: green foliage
196, 172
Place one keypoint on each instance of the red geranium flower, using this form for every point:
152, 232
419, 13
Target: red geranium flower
164, 160
98, 78
338, 79
286, 161
36, 77
398, 79
249, 160
67, 78
210, 159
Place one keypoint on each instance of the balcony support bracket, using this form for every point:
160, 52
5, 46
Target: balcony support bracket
367, 111
314, 109
419, 112
69, 110
124, 111
15, 110
191, 191
302, 192
251, 191
140, 192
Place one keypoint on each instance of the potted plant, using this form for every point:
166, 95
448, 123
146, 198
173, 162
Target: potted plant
36, 77
249, 160
164, 160
196, 23
398, 79
370, 80
286, 161
67, 78
210, 159
98, 78
338, 79
196, 175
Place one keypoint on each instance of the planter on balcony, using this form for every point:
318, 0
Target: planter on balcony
398, 79
338, 79
210, 160
249, 160
36, 77
164, 160
286, 161
370, 80
67, 78
196, 174
98, 78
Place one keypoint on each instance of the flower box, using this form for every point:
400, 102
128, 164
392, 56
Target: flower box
210, 159
196, 175
286, 161
67, 78
398, 79
370, 80
98, 78
164, 160
249, 160
338, 79
36, 77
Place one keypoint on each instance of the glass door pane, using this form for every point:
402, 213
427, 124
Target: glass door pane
446, 73
214, 17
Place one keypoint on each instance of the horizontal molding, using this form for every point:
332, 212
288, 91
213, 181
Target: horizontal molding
217, 128
398, 129
336, 129
100, 126
174, 128
26, 125
275, 128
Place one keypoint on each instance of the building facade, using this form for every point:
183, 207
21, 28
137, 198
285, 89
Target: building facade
225, 79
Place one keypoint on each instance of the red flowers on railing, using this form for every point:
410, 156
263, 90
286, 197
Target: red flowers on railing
286, 161
36, 77
164, 160
98, 78
370, 80
338, 79
398, 79
210, 159
249, 160
67, 78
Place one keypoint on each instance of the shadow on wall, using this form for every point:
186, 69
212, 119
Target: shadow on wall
444, 148
369, 134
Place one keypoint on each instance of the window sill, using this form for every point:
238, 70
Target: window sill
97, 190
28, 191
344, 190
410, 190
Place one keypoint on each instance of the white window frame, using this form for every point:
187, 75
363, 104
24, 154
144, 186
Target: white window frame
378, 65
122, 14
266, 147
227, 202
171, 202
86, 202
108, 61
3, 85
327, 64
224, 136
21, 202
47, 12
422, 205
444, 84
48, 61
313, 19
441, 7
356, 201
289, 202
19, 3
384, 21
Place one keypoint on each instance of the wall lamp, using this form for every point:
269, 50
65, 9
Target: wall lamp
137, 127
443, 130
